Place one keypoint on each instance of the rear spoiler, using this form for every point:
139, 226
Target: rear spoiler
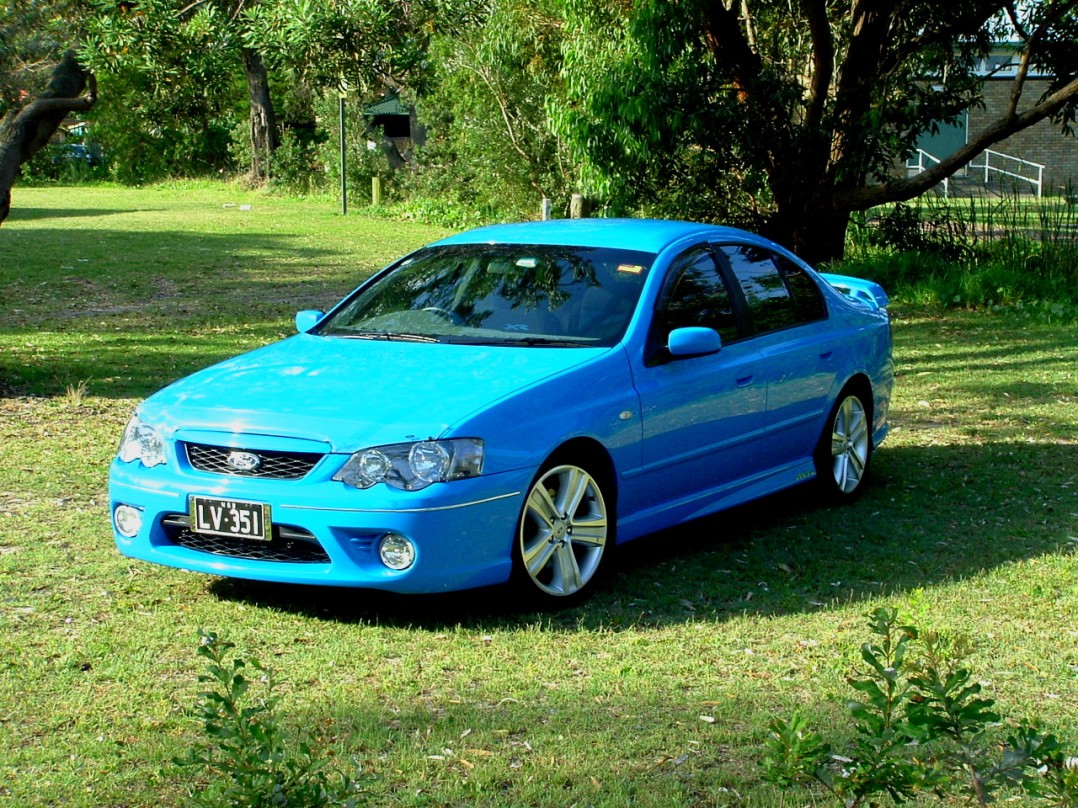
865, 292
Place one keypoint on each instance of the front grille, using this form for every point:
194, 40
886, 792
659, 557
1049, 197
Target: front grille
291, 544
272, 465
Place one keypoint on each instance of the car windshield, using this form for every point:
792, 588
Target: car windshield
499, 294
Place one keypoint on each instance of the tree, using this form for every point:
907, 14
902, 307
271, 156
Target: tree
494, 81
187, 49
807, 104
34, 34
194, 46
25, 130
369, 46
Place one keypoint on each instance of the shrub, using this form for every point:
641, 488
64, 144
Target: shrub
921, 724
246, 756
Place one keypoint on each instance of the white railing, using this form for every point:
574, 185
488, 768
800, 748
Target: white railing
918, 163
1012, 167
1004, 165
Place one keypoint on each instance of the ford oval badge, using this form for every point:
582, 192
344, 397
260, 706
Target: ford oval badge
243, 461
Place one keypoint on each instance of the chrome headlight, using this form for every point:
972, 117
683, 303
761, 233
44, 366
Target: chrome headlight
142, 442
412, 466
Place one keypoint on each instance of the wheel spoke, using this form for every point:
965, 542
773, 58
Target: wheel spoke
538, 555
838, 443
848, 414
590, 532
573, 490
856, 462
542, 507
842, 465
859, 432
566, 569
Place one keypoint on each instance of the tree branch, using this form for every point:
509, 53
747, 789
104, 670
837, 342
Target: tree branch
1012, 15
725, 39
23, 133
750, 28
1019, 82
507, 117
903, 189
823, 60
188, 7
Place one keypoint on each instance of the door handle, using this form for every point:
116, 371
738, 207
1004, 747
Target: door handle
744, 381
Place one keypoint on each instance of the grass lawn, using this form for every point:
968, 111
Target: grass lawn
657, 692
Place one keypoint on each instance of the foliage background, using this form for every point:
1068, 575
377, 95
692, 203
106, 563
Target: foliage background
774, 119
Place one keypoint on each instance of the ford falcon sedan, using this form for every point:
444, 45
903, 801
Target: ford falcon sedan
508, 405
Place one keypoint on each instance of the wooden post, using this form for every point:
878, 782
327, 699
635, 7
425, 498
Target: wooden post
344, 163
578, 207
376, 190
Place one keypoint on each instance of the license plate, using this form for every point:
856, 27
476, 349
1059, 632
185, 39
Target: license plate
231, 517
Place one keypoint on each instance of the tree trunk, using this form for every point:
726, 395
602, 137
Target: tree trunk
821, 237
264, 138
816, 236
24, 132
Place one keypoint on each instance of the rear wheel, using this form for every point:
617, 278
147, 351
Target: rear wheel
564, 533
845, 448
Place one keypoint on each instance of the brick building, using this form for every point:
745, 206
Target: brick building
1043, 144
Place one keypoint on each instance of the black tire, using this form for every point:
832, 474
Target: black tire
845, 448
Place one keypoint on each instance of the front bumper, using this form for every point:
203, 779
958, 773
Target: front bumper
326, 532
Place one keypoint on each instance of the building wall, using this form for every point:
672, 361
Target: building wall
1041, 143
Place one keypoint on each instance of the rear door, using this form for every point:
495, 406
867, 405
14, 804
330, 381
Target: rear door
787, 318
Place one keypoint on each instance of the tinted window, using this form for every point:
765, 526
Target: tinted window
769, 302
697, 296
808, 302
499, 294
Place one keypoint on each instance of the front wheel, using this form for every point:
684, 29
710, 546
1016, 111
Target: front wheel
564, 532
845, 448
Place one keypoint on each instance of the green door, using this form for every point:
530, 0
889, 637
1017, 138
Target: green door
949, 139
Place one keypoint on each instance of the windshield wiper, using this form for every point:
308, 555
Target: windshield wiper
521, 342
391, 336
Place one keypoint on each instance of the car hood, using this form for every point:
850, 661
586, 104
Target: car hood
349, 393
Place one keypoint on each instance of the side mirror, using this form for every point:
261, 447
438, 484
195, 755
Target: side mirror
308, 319
693, 341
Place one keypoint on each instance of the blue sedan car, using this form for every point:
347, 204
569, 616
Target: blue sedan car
508, 404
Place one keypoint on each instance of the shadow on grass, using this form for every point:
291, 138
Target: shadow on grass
930, 515
134, 314
122, 365
35, 214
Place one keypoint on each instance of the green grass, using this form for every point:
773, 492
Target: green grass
985, 252
657, 692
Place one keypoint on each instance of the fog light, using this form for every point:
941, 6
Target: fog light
396, 552
128, 520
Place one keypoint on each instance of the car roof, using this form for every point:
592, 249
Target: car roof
646, 235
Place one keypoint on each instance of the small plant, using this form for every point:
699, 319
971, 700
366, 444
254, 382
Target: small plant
905, 229
921, 725
75, 394
245, 755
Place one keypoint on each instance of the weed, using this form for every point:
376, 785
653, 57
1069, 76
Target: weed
245, 753
75, 394
921, 725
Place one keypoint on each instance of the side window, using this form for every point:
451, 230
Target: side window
808, 302
696, 296
766, 296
